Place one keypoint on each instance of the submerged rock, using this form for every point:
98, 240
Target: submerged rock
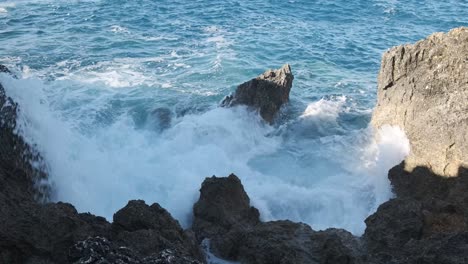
423, 88
160, 118
266, 93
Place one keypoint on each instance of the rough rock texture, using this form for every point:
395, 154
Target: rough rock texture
426, 223
100, 250
223, 203
266, 93
150, 229
224, 215
35, 232
423, 88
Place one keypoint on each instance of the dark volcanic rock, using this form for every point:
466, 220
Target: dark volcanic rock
224, 215
429, 209
150, 229
223, 203
266, 93
101, 250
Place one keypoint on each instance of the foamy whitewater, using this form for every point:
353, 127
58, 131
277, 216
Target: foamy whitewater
121, 99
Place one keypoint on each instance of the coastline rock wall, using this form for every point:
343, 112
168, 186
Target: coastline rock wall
423, 88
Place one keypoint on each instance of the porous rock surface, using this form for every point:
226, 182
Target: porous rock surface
423, 88
266, 93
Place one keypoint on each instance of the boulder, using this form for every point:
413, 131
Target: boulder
223, 203
151, 229
266, 93
423, 88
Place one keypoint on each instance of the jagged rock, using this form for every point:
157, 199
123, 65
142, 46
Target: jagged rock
266, 93
224, 216
150, 229
423, 88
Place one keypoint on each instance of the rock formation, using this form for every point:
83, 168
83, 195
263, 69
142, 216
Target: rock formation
224, 215
266, 93
426, 223
423, 88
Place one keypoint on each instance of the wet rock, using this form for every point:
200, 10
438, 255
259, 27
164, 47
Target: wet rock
423, 88
101, 250
224, 216
223, 203
150, 229
266, 93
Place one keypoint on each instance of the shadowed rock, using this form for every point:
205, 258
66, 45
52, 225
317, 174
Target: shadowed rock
223, 203
426, 223
423, 88
150, 229
266, 93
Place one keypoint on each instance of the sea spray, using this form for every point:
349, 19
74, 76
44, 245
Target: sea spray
333, 180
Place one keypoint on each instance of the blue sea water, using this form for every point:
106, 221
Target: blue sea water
121, 98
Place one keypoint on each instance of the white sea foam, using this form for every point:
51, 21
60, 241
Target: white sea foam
119, 29
331, 181
123, 72
325, 109
5, 6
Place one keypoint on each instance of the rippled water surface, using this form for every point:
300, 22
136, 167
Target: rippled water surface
121, 98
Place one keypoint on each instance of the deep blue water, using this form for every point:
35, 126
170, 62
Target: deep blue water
97, 76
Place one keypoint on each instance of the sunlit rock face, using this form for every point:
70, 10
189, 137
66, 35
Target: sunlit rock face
423, 88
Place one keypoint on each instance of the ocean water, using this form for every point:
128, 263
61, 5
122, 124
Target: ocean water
121, 98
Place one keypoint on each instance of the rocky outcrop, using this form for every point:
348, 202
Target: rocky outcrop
426, 223
150, 229
223, 203
35, 231
423, 88
266, 93
224, 216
